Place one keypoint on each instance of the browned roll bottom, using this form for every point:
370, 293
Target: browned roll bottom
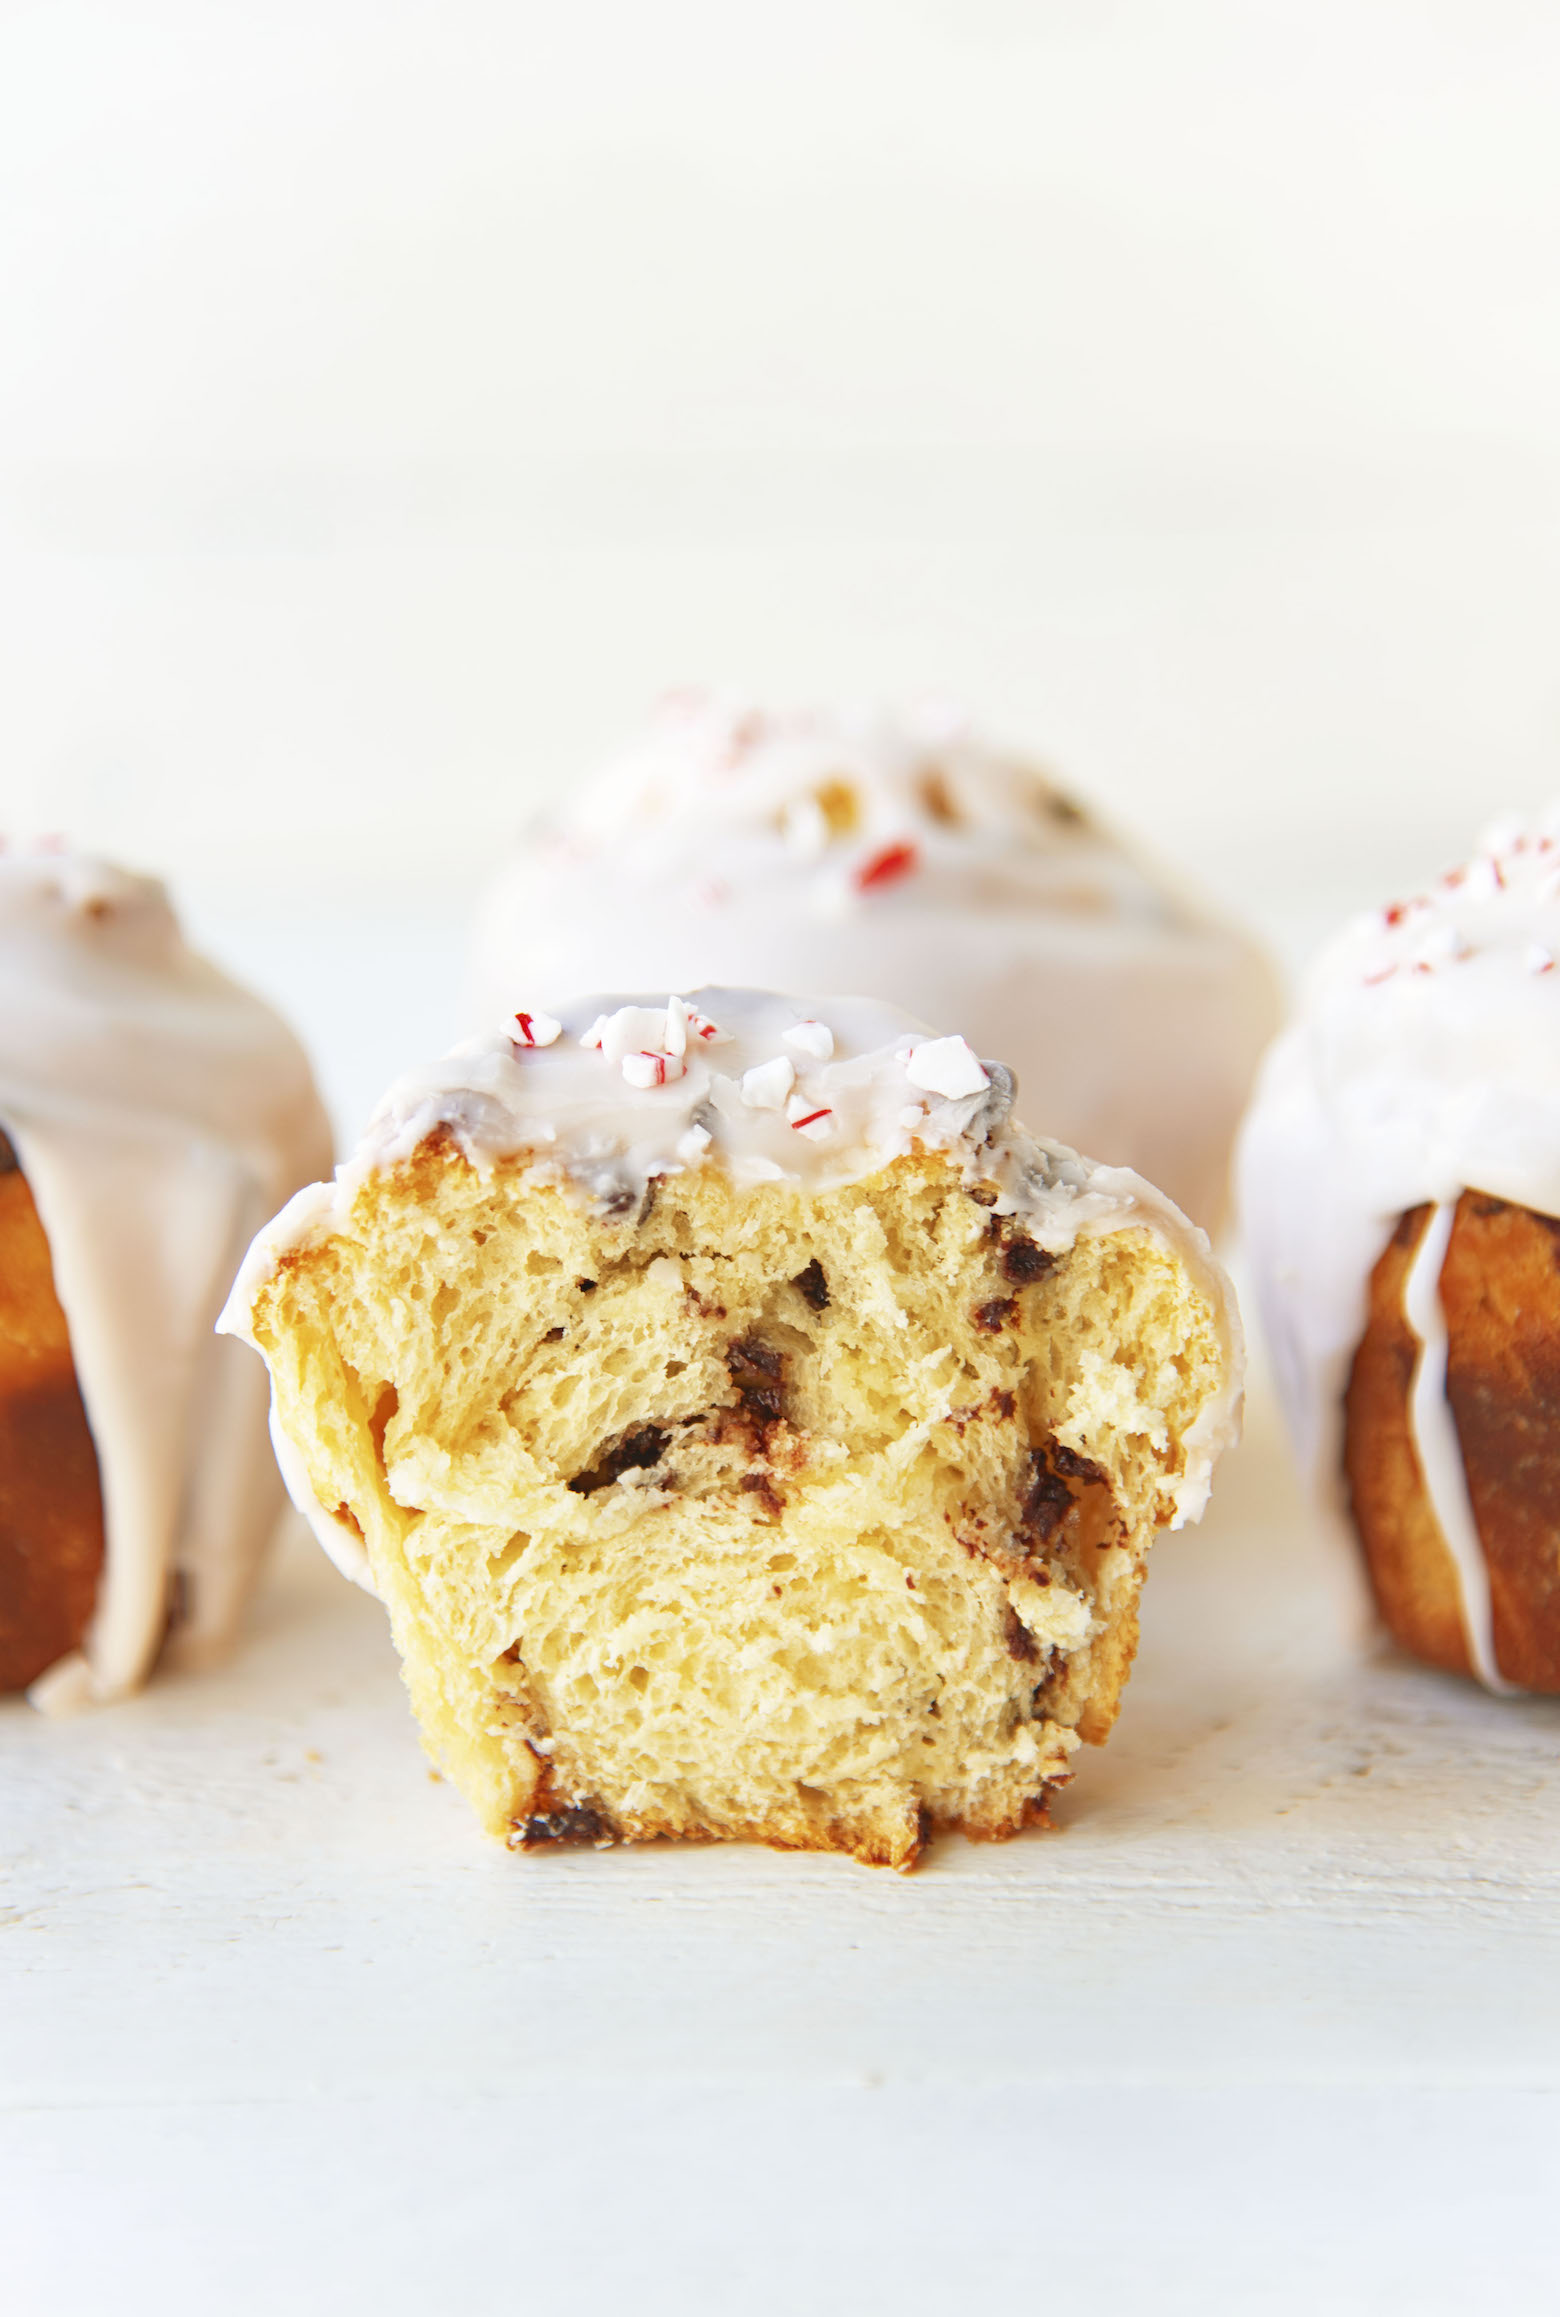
51, 1507
1500, 1291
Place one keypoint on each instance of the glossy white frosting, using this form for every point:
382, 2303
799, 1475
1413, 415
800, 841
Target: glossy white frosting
1425, 1061
160, 1114
866, 1084
908, 860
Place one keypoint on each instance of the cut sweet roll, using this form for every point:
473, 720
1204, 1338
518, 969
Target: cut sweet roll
908, 858
762, 1441
1400, 1181
152, 1115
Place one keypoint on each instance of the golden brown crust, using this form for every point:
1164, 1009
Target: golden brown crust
550, 1825
51, 1509
1500, 1291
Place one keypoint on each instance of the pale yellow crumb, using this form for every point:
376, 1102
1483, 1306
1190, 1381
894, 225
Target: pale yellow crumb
811, 1518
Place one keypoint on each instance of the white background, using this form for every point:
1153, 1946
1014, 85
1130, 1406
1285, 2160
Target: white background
397, 394
394, 397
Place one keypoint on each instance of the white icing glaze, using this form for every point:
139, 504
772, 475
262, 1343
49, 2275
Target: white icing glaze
1437, 1447
1425, 1062
907, 860
160, 1113
582, 1121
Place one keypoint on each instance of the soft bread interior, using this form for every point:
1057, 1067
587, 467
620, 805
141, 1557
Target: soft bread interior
812, 1518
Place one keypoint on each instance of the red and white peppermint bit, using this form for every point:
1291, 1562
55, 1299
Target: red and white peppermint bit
653, 1030
886, 866
633, 1030
536, 1030
1537, 959
645, 1070
766, 1086
946, 1066
1513, 865
815, 1039
815, 1120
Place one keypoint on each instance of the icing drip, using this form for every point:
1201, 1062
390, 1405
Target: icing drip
1425, 1062
160, 1114
1439, 1451
772, 1092
909, 860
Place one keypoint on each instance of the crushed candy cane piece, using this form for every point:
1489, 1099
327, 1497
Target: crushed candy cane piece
816, 1122
536, 1030
766, 1086
946, 1066
631, 1030
707, 1032
886, 866
692, 1144
1537, 959
676, 1039
645, 1069
812, 1038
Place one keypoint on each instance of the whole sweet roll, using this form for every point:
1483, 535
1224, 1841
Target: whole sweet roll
752, 1432
904, 858
1399, 1179
153, 1115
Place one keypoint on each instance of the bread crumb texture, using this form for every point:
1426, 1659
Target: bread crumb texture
810, 1519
